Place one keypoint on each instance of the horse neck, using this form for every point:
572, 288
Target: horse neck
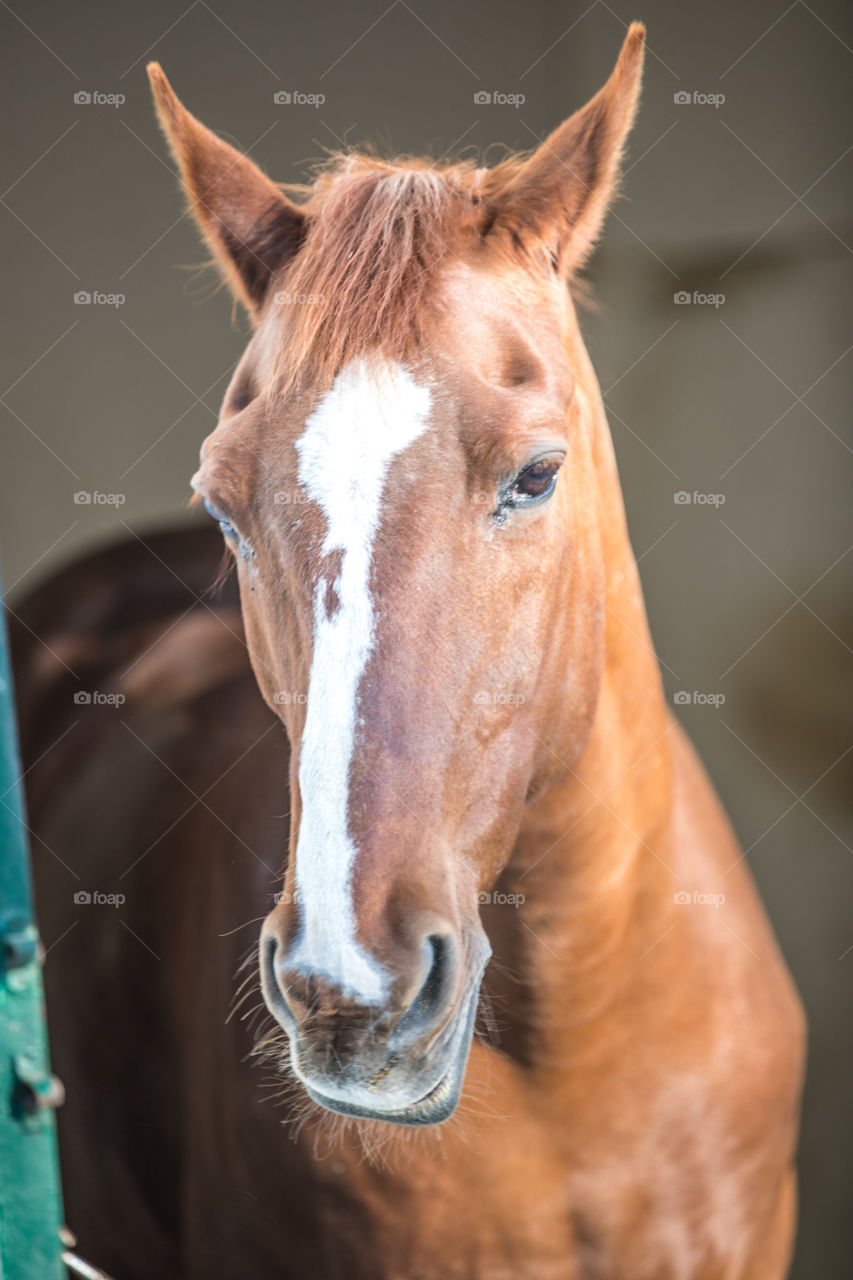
593, 855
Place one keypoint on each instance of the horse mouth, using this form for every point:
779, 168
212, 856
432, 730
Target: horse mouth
435, 1106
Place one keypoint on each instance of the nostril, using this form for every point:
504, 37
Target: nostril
269, 947
274, 996
432, 991
435, 988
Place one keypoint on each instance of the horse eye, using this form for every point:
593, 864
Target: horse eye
535, 482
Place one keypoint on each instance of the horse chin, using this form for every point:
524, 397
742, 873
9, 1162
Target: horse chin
433, 1107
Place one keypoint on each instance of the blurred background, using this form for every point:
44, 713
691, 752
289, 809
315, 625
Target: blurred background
722, 340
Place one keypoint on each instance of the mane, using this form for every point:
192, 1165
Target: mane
376, 231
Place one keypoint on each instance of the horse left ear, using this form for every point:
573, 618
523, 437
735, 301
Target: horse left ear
248, 221
562, 192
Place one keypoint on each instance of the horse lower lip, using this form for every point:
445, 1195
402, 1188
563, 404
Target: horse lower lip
432, 1095
420, 1105
421, 1112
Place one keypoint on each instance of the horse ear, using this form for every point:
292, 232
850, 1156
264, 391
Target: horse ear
562, 192
249, 223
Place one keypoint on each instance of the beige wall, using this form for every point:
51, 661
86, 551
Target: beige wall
747, 598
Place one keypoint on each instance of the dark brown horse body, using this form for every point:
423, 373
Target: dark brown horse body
483, 761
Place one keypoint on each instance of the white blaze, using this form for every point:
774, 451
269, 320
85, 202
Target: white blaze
371, 413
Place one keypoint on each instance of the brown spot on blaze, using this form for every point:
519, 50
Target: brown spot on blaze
333, 600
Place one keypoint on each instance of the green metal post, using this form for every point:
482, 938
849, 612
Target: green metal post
30, 1195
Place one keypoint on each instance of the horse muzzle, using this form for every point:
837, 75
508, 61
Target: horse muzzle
402, 1061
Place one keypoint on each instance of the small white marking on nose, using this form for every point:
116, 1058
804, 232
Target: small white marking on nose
372, 412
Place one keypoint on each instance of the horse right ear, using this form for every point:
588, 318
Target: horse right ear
562, 192
249, 223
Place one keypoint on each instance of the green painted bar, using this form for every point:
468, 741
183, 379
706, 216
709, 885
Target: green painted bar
30, 1193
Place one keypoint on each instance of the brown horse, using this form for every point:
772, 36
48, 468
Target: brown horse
414, 476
